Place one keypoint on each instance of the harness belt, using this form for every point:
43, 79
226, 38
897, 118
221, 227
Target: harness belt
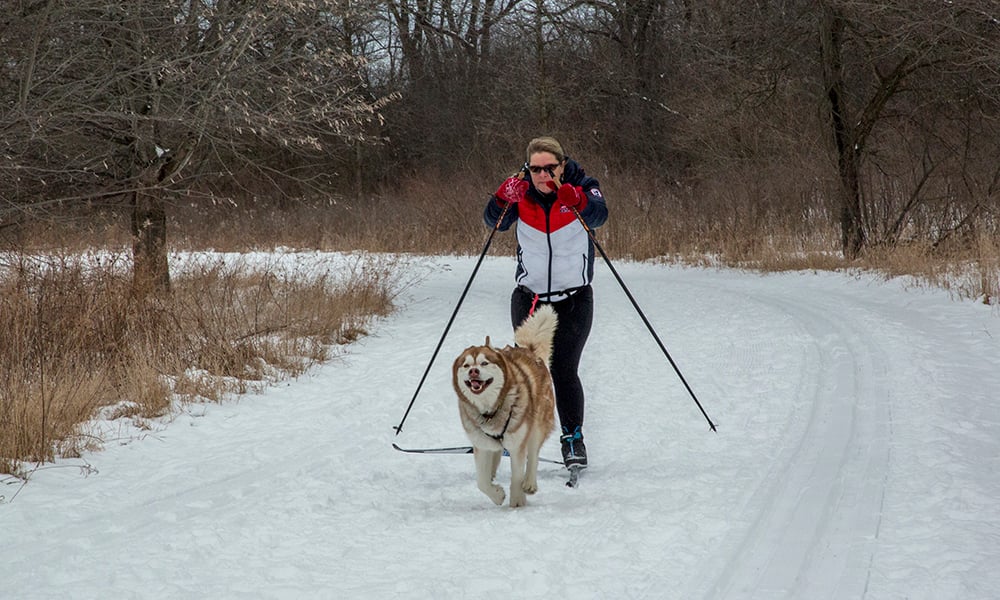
543, 297
546, 295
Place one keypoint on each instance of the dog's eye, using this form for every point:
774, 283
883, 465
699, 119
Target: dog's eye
483, 364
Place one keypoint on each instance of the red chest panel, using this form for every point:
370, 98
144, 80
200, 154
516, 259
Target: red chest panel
533, 214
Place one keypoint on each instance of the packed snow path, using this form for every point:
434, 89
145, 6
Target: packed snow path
816, 513
857, 456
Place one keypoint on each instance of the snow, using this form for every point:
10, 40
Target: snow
857, 456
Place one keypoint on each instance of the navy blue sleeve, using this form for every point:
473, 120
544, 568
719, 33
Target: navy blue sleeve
493, 211
595, 213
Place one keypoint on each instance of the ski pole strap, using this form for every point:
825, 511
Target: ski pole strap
534, 303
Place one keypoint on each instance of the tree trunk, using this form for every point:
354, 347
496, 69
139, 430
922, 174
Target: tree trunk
542, 86
151, 274
848, 152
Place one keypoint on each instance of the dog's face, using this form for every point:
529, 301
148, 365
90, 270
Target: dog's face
479, 375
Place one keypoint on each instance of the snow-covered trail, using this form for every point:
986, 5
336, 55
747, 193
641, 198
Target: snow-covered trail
815, 515
857, 457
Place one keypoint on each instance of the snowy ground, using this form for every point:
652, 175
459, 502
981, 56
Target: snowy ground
857, 456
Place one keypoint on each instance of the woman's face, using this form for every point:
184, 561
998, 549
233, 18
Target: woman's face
546, 171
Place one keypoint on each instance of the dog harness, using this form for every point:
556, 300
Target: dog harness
487, 416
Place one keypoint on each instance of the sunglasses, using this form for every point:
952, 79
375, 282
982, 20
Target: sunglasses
537, 169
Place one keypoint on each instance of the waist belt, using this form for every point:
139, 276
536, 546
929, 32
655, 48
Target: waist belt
545, 296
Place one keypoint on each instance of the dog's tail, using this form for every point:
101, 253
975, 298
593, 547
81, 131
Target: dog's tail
536, 332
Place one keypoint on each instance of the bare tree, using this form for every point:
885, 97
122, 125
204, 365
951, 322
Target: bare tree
886, 66
454, 63
133, 101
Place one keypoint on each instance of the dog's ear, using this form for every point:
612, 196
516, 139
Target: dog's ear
487, 344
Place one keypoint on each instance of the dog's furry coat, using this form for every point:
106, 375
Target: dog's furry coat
506, 401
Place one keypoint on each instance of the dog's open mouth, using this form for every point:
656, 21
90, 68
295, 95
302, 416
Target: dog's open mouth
478, 385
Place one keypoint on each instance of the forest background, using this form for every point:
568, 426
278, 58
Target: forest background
767, 134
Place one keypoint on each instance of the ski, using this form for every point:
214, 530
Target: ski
452, 450
459, 450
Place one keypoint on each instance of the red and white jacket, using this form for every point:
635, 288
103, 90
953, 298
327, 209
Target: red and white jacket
555, 255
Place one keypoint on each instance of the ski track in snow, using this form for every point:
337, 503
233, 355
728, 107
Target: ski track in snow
815, 516
857, 456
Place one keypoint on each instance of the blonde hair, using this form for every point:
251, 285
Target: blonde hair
545, 144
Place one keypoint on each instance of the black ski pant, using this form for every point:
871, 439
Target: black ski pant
576, 315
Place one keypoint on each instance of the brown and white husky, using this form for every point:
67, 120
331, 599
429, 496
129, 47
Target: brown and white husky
505, 400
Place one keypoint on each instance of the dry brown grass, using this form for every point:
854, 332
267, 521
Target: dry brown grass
420, 215
57, 346
73, 339
970, 270
732, 224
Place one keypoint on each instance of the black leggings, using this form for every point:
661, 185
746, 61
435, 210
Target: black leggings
576, 315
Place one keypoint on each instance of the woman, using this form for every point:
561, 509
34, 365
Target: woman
555, 264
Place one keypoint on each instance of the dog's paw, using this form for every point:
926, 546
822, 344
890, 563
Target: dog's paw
495, 493
529, 487
517, 499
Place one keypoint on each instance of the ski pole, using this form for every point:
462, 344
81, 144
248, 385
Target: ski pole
642, 315
482, 255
